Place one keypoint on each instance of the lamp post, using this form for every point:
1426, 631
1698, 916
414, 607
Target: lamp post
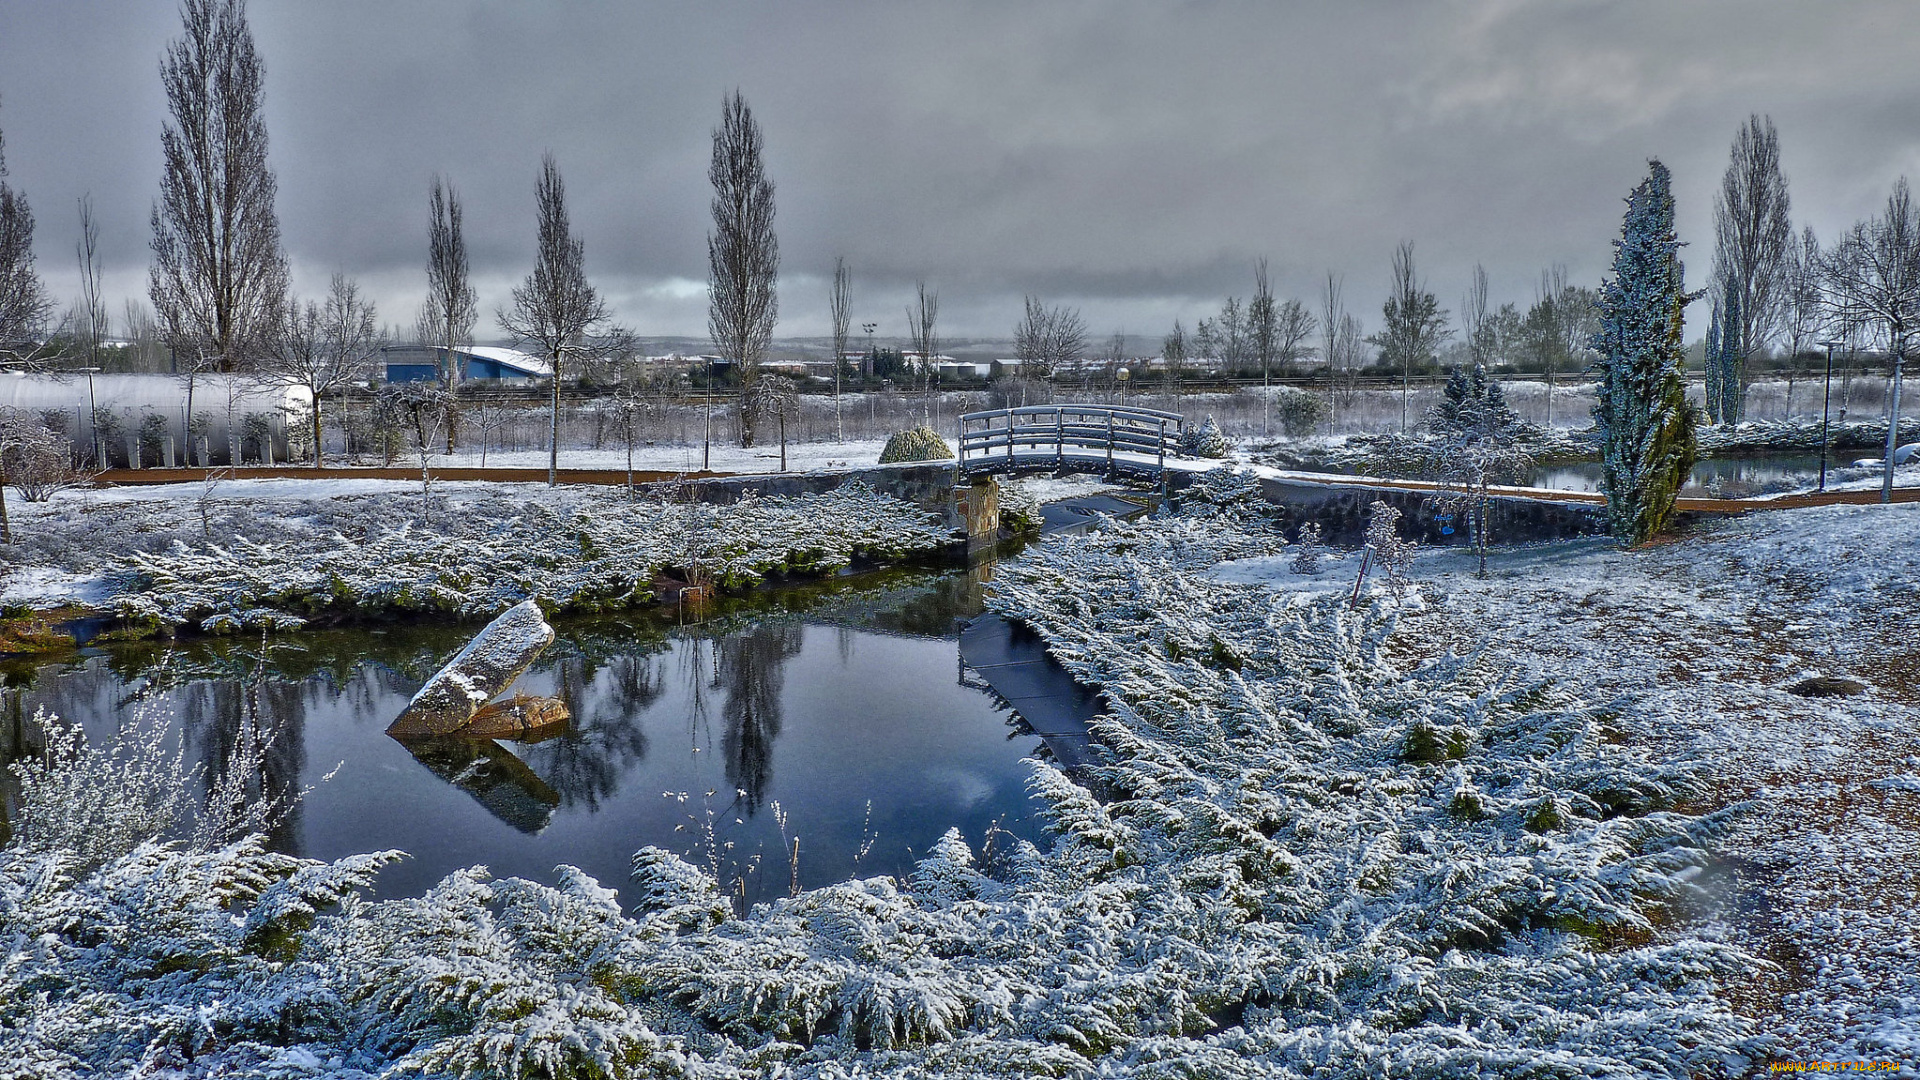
1826, 403
93, 419
873, 406
1123, 375
706, 446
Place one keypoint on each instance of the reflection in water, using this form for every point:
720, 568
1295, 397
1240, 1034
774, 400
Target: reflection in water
668, 724
218, 715
491, 774
748, 667
605, 740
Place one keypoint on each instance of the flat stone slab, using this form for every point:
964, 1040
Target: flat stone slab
1077, 513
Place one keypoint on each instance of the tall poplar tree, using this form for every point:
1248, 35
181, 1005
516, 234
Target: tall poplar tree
1646, 427
450, 311
219, 279
555, 308
743, 255
1752, 249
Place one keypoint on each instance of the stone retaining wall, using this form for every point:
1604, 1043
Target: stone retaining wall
929, 486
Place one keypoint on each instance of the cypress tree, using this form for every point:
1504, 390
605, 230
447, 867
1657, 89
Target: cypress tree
1710, 362
1646, 426
1733, 364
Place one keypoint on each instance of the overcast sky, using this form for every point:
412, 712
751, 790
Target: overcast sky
1132, 159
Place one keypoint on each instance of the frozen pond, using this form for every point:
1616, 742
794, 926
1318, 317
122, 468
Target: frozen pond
835, 714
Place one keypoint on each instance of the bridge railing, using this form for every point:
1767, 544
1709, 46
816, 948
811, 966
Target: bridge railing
1034, 435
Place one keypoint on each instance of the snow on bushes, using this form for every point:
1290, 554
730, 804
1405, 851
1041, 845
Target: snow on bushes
1308, 863
915, 444
583, 559
1206, 441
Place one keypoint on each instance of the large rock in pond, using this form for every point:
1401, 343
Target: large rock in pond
491, 661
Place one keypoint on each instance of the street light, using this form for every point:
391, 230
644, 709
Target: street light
93, 418
1825, 404
1123, 375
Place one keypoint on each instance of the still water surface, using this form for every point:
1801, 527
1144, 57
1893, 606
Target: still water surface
835, 714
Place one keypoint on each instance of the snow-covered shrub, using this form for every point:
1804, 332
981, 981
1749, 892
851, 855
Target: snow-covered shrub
1391, 556
1276, 887
1307, 550
1223, 492
578, 560
1019, 509
1300, 412
1205, 441
39, 460
92, 805
920, 443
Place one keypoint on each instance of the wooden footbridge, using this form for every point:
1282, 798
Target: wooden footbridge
1111, 439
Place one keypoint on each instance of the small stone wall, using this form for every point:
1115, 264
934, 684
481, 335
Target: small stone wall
929, 486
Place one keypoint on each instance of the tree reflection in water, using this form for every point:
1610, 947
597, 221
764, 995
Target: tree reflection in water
748, 666
605, 740
218, 714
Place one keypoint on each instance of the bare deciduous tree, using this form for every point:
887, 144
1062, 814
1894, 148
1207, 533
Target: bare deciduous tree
555, 308
923, 321
450, 311
1047, 338
1753, 240
1874, 276
24, 305
1293, 325
1476, 320
1261, 318
90, 322
743, 255
1333, 319
219, 279
1415, 326
841, 304
1173, 358
1804, 314
325, 348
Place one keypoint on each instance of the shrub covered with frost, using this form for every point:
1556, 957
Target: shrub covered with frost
920, 443
1309, 862
1205, 441
1019, 509
583, 559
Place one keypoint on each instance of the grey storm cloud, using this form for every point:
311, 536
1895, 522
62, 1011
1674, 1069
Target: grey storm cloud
1133, 159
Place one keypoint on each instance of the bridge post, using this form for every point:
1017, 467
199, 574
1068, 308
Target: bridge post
1059, 437
1163, 448
980, 509
1109, 446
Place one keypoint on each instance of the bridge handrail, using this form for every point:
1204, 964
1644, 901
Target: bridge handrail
1048, 410
1058, 428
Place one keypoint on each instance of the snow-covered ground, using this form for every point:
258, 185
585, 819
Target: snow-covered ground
1568, 819
1712, 630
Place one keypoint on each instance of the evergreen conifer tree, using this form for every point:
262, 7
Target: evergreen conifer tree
1646, 426
1710, 362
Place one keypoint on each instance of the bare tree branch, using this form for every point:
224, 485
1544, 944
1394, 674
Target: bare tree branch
555, 308
219, 279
